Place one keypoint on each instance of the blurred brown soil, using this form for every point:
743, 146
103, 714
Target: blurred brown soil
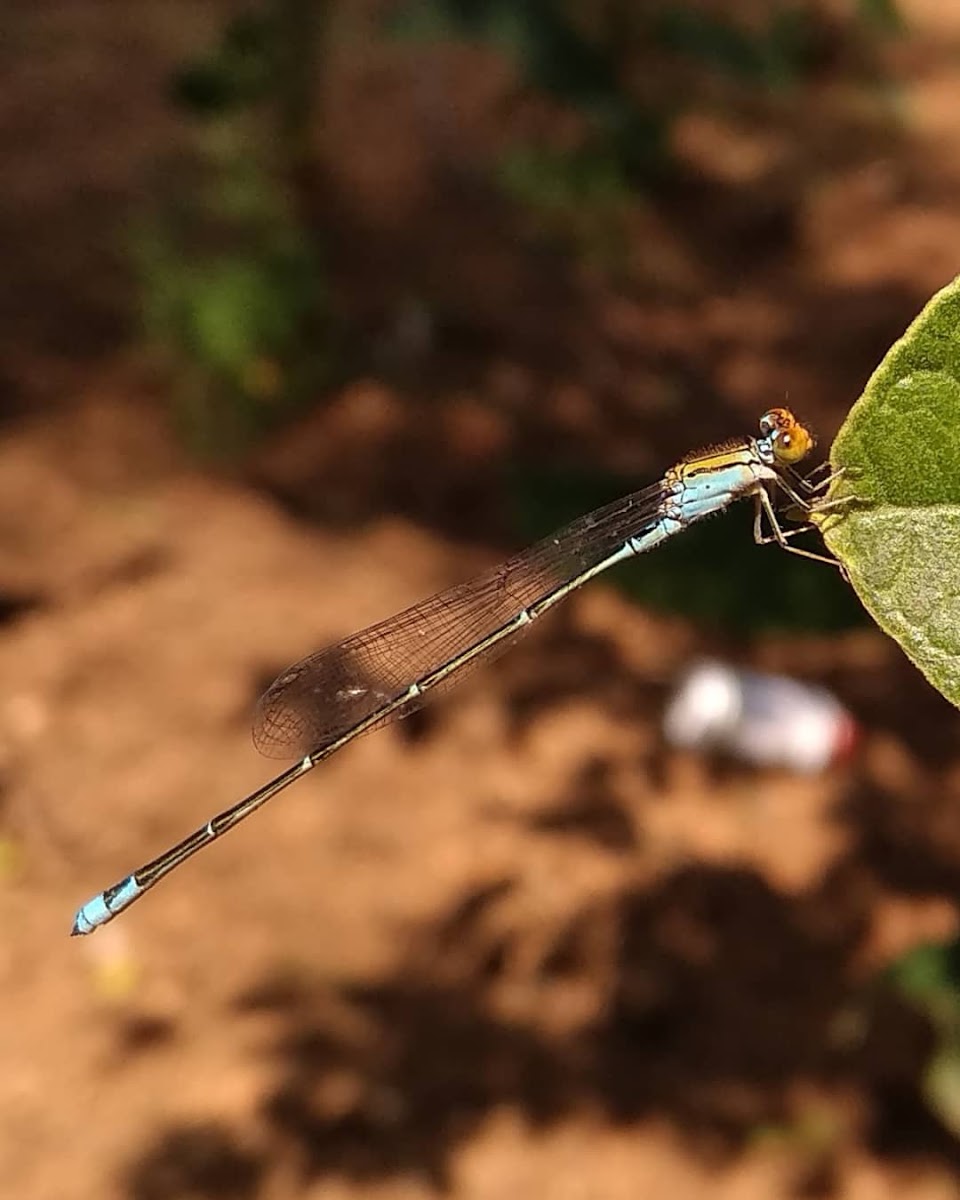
513, 947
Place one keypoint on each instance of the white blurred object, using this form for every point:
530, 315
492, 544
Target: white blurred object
768, 720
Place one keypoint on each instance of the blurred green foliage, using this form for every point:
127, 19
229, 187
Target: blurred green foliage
589, 59
883, 15
231, 292
928, 977
232, 281
774, 55
232, 274
238, 72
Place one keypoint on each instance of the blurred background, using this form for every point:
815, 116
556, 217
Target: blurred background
308, 310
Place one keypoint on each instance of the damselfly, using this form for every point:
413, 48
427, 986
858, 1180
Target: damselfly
382, 673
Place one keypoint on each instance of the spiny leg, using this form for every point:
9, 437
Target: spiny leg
764, 539
806, 482
764, 507
809, 506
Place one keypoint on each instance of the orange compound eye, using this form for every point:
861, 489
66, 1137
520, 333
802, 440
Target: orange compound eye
791, 440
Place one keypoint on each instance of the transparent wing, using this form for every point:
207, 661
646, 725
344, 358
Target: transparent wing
320, 698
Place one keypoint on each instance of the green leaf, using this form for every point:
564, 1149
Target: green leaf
899, 538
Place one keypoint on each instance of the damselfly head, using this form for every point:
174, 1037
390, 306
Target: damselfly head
791, 441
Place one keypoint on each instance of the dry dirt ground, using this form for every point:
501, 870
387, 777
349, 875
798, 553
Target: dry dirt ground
512, 948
